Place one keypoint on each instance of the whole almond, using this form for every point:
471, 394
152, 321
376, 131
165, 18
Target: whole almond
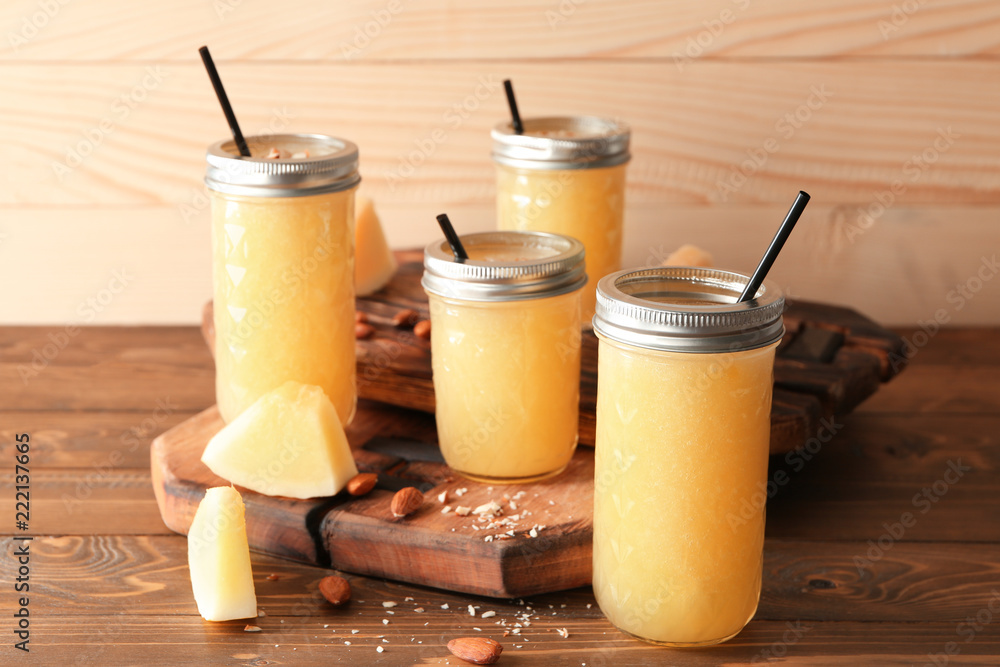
423, 329
363, 330
406, 501
477, 650
361, 483
406, 318
335, 589
360, 316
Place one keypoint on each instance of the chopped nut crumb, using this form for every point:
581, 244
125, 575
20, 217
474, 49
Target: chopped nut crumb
445, 509
385, 621
354, 632
462, 511
444, 606
379, 649
443, 496
472, 610
563, 632
419, 610
488, 509
461, 492
488, 614
389, 604
251, 628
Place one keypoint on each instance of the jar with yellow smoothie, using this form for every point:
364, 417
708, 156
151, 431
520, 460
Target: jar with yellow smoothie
505, 352
685, 376
566, 175
283, 260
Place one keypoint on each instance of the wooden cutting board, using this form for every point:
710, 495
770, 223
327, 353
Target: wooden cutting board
360, 534
831, 359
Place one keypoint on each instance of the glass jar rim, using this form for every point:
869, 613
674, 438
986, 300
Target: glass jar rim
332, 166
558, 267
562, 142
687, 309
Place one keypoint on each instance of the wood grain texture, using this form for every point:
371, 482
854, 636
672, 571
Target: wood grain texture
309, 30
692, 130
427, 547
933, 249
189, 640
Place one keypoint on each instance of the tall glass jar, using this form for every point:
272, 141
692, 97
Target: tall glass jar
505, 350
283, 260
685, 376
566, 175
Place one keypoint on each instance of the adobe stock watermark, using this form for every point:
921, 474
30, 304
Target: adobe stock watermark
563, 12
786, 126
278, 122
87, 312
452, 119
969, 629
34, 23
794, 632
922, 501
899, 17
695, 46
224, 7
957, 297
121, 108
371, 30
912, 171
752, 507
130, 440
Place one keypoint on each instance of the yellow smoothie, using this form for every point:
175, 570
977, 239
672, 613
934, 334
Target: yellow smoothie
682, 440
685, 377
587, 204
284, 285
507, 367
284, 298
566, 175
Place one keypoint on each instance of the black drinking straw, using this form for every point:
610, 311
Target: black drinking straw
767, 260
227, 108
457, 248
514, 115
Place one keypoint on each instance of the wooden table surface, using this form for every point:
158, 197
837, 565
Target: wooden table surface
843, 583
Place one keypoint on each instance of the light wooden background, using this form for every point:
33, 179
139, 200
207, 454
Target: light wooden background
122, 82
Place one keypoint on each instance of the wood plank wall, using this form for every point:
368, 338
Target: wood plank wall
735, 105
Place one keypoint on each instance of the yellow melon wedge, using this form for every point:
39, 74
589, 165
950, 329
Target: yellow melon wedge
219, 557
288, 443
374, 263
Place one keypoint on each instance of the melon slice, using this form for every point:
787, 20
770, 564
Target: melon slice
374, 263
288, 443
219, 557
688, 255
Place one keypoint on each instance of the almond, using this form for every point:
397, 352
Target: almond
360, 316
363, 330
406, 318
477, 650
361, 483
335, 589
423, 329
406, 501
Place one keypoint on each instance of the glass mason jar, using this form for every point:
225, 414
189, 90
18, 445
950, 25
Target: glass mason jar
283, 265
685, 376
505, 350
566, 175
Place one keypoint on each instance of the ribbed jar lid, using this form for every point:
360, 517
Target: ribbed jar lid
505, 266
321, 164
563, 142
687, 309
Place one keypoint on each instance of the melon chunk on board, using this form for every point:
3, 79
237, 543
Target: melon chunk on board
374, 263
219, 557
288, 443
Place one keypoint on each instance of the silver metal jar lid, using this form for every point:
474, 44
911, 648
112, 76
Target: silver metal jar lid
505, 266
562, 142
331, 166
687, 309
